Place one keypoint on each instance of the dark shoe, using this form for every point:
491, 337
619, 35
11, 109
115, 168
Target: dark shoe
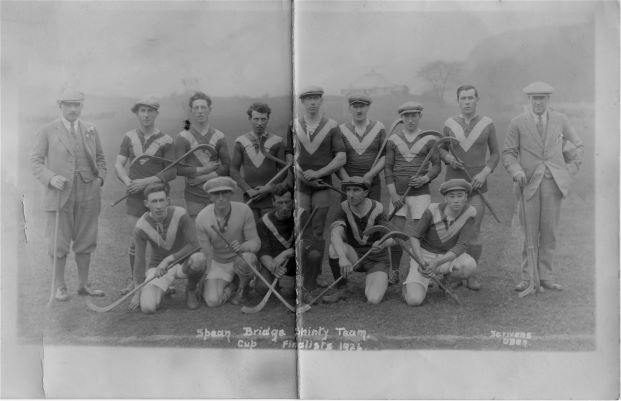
323, 282
522, 286
170, 291
128, 288
393, 277
473, 283
90, 292
335, 296
240, 296
191, 299
548, 284
61, 294
309, 296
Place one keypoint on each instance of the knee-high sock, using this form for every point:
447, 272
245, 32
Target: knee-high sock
475, 251
311, 264
336, 272
132, 256
83, 260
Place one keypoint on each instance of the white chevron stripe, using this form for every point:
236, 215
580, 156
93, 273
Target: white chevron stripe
467, 142
360, 146
409, 153
311, 146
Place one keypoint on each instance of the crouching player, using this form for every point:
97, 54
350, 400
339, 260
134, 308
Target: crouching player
276, 230
348, 242
235, 222
440, 239
170, 232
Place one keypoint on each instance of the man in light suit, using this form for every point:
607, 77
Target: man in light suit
541, 153
67, 158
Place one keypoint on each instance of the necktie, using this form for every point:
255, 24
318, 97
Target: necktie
540, 125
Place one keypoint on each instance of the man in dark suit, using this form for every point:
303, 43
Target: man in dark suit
67, 158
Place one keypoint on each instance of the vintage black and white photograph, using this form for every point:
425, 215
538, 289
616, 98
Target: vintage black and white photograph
310, 199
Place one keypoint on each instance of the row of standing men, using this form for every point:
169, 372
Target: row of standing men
317, 147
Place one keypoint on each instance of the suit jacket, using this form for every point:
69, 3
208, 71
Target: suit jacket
525, 150
53, 154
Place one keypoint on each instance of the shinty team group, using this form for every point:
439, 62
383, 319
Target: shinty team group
219, 245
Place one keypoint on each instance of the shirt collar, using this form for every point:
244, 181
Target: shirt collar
67, 123
364, 126
544, 116
474, 117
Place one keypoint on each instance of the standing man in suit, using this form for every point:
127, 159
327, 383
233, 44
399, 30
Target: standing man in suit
67, 158
541, 152
476, 135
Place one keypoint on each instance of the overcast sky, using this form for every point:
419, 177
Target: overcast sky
144, 47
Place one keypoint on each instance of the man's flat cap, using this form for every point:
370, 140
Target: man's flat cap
538, 88
363, 99
149, 101
410, 107
71, 95
220, 184
354, 181
310, 91
455, 184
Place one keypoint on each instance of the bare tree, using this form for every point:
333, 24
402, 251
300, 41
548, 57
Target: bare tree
440, 74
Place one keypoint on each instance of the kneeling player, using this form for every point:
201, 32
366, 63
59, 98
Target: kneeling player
170, 232
441, 239
348, 242
276, 230
235, 222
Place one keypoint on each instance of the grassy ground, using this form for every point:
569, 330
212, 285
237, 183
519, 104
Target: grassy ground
549, 321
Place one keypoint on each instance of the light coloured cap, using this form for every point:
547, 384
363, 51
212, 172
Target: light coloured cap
354, 181
359, 99
410, 107
220, 184
538, 88
149, 101
311, 90
455, 184
71, 95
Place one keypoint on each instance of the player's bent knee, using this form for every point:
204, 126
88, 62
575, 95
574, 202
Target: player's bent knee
464, 268
197, 261
414, 294
374, 297
212, 300
314, 256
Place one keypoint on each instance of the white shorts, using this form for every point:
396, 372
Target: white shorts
414, 276
221, 271
414, 206
167, 279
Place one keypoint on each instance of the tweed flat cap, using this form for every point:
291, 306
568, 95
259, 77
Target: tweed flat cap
410, 107
354, 181
538, 88
220, 184
311, 90
149, 101
363, 99
455, 184
71, 95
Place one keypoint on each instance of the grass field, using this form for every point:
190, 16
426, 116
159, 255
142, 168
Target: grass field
548, 321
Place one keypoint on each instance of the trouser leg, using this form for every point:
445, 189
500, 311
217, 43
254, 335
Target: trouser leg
83, 261
551, 198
